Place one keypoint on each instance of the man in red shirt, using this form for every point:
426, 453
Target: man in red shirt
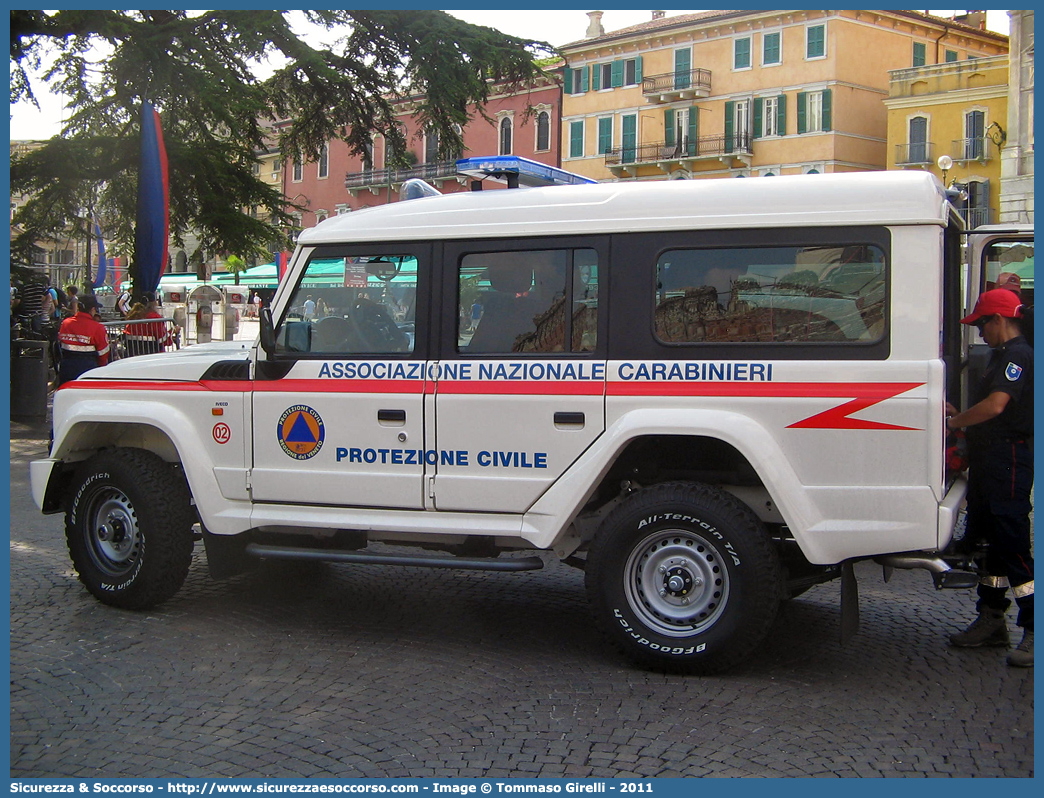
83, 343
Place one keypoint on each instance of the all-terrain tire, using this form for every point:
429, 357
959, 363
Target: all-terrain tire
684, 577
128, 525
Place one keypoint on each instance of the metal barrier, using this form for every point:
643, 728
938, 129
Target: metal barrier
141, 337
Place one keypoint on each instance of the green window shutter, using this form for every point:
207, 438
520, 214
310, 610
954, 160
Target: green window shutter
802, 108
668, 127
826, 109
759, 107
781, 115
730, 117
584, 80
815, 42
951, 55
567, 79
920, 55
617, 74
682, 68
741, 54
605, 135
596, 77
629, 138
576, 139
638, 69
694, 129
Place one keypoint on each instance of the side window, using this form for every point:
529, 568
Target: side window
771, 294
529, 301
1009, 264
350, 305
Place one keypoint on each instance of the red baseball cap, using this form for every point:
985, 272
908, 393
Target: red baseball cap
999, 301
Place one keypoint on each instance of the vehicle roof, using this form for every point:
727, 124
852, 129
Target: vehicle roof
889, 198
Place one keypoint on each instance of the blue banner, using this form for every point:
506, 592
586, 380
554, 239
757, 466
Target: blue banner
153, 219
99, 277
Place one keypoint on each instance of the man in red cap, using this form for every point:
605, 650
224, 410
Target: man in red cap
83, 342
1000, 473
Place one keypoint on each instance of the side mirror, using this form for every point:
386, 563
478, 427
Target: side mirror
268, 340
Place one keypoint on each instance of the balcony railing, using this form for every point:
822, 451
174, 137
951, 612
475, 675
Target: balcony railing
385, 177
677, 85
972, 149
917, 154
975, 217
706, 147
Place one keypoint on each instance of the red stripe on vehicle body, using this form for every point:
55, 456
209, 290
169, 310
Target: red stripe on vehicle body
861, 395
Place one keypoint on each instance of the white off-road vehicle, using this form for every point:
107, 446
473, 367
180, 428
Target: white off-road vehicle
708, 394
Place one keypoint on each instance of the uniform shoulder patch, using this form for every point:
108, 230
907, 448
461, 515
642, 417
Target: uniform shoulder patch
1013, 372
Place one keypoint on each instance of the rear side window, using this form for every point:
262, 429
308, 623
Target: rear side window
528, 301
786, 294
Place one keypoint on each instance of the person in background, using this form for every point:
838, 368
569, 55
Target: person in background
123, 304
146, 338
72, 298
83, 342
1000, 473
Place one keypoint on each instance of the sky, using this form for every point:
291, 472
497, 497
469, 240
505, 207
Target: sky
555, 27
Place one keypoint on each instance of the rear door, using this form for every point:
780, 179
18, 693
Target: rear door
998, 258
521, 375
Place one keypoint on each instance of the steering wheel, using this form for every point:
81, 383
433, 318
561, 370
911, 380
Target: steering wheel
332, 334
376, 331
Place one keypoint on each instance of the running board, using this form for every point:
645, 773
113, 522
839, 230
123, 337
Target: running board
373, 558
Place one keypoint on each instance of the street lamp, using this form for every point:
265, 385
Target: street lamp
945, 163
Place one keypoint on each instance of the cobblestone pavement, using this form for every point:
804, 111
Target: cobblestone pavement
367, 671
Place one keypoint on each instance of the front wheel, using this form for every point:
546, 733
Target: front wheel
129, 528
683, 577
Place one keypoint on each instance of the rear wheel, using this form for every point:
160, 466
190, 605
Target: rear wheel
129, 528
684, 577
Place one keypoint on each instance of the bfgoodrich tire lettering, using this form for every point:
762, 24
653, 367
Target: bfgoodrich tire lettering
683, 577
128, 526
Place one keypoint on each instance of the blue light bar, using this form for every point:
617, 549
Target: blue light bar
516, 171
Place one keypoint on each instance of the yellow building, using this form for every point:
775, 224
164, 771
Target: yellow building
729, 93
949, 119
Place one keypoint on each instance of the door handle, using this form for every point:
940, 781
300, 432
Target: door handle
566, 419
391, 416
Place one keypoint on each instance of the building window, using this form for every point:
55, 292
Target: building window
770, 117
431, 147
605, 76
605, 135
321, 216
298, 170
633, 71
576, 139
920, 54
815, 41
543, 127
629, 138
918, 140
741, 53
771, 52
814, 111
324, 162
683, 68
951, 56
505, 136
576, 80
974, 135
